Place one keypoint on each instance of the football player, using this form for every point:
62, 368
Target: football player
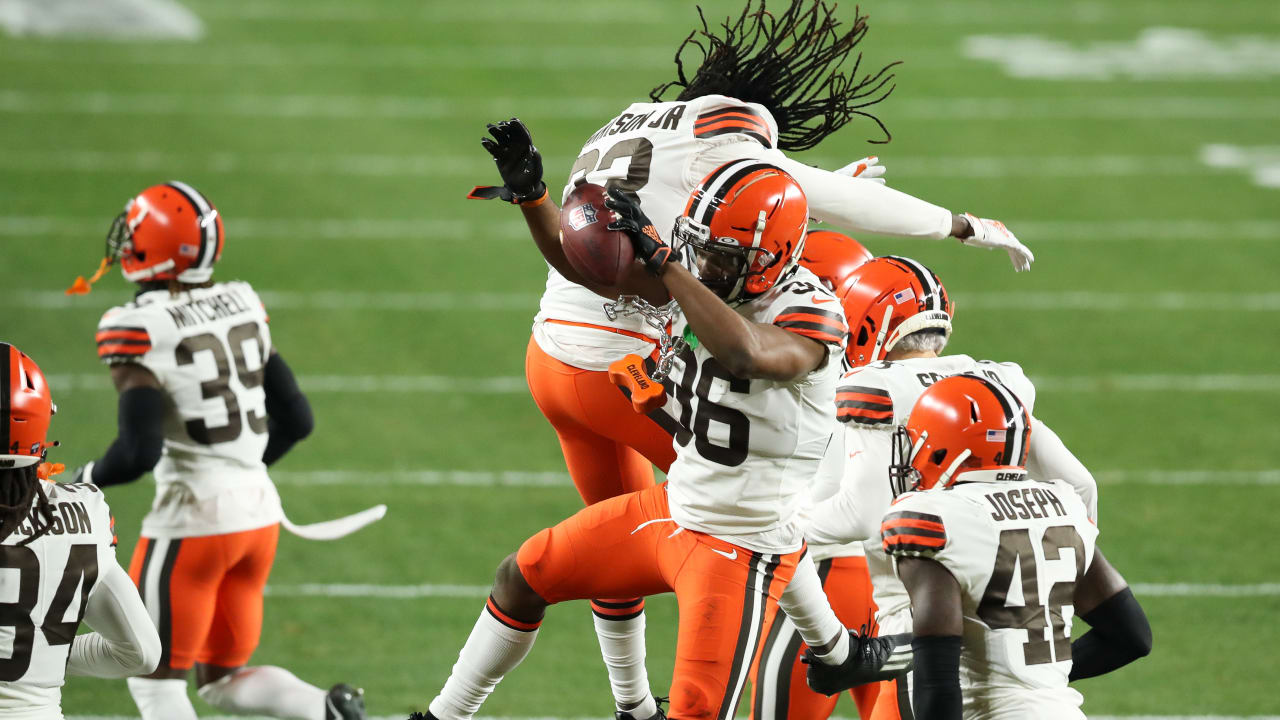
900, 321
781, 690
57, 548
756, 378
997, 565
207, 403
767, 84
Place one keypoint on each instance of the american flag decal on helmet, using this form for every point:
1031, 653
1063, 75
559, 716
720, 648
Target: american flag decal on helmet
995, 436
904, 295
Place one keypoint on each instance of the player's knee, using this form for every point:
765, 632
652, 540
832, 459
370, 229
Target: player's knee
513, 593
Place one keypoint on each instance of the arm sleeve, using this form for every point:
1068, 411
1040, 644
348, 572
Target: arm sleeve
1049, 459
853, 512
125, 642
139, 440
936, 685
850, 203
1119, 634
289, 416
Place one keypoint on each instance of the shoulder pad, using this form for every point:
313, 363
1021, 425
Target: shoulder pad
724, 116
122, 335
861, 399
910, 533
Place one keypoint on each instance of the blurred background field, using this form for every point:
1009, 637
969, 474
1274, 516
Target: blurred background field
1134, 146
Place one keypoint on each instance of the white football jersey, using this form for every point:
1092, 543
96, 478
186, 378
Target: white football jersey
650, 149
44, 588
746, 450
1017, 548
208, 348
879, 397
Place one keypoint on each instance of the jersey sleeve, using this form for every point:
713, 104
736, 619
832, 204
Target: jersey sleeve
123, 336
807, 308
718, 115
862, 400
912, 528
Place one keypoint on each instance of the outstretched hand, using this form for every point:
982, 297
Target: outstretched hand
519, 164
631, 220
992, 234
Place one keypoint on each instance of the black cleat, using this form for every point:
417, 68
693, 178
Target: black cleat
423, 716
344, 703
659, 715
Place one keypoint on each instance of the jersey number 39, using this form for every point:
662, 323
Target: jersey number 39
219, 387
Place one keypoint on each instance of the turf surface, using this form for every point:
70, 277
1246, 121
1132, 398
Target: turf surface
338, 139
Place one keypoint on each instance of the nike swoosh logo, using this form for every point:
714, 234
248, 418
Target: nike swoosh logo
818, 299
729, 556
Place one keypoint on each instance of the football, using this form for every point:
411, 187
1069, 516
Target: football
599, 254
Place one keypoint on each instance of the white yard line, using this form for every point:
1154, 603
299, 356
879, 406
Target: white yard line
428, 229
366, 107
557, 479
428, 590
475, 165
1071, 300
515, 384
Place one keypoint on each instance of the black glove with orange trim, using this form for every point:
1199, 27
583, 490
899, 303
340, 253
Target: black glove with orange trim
519, 163
650, 249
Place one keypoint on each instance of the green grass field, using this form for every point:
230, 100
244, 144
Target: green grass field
338, 140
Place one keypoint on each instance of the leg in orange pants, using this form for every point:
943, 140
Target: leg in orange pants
628, 546
608, 446
205, 594
780, 688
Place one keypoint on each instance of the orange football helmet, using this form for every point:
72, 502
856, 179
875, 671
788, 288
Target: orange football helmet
833, 257
958, 426
743, 229
167, 232
889, 298
26, 407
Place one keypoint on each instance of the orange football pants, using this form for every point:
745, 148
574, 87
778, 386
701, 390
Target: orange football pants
609, 448
205, 594
629, 546
894, 702
848, 587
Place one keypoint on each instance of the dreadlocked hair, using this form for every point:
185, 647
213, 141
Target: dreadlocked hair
18, 487
788, 63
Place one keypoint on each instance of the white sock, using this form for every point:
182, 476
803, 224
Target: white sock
805, 602
265, 690
495, 647
161, 699
620, 630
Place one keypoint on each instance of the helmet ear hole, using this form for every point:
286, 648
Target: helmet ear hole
938, 456
863, 334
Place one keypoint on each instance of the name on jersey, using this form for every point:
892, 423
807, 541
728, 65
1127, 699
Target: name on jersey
929, 378
207, 309
628, 122
66, 518
1024, 503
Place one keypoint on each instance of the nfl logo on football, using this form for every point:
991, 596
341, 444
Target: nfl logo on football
582, 216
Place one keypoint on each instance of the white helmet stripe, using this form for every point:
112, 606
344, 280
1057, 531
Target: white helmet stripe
206, 220
933, 290
720, 180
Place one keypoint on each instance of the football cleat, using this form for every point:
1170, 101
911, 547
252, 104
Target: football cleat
657, 715
344, 703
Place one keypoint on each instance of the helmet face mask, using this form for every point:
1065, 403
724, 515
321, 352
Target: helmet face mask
743, 229
903, 478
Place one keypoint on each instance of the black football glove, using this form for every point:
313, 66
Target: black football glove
519, 163
870, 660
644, 236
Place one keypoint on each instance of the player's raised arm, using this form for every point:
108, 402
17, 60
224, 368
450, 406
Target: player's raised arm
1119, 630
747, 349
140, 428
1048, 458
289, 417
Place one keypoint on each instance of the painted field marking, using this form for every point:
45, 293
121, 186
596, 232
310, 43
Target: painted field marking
516, 384
1157, 53
1071, 300
558, 479
428, 229
1260, 162
428, 590
110, 19
474, 165
366, 107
